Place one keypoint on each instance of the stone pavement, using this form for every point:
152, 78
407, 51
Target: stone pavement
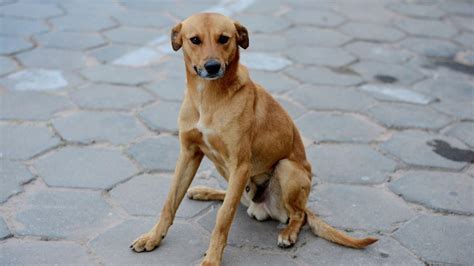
382, 91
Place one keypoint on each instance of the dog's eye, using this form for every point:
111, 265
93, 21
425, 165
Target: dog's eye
195, 40
223, 39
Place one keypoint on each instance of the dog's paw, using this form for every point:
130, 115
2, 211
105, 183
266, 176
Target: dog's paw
209, 263
146, 242
286, 240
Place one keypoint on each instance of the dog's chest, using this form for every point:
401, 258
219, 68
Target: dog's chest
210, 141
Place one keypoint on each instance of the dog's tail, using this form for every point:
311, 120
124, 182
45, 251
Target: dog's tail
323, 230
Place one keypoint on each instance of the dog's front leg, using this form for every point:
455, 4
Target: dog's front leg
186, 167
225, 215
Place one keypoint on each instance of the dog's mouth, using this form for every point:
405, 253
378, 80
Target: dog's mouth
203, 73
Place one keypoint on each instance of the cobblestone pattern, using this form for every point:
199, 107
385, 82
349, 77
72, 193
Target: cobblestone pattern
379, 89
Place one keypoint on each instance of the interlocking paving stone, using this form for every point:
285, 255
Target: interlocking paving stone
111, 51
337, 127
171, 89
349, 163
305, 35
323, 76
145, 195
373, 32
112, 246
466, 39
262, 23
273, 82
31, 105
330, 98
143, 18
118, 74
458, 7
429, 28
268, 43
465, 23
325, 56
84, 167
246, 231
385, 252
25, 141
359, 207
462, 110
12, 176
156, 153
7, 65
64, 214
53, 59
87, 127
131, 35
30, 252
402, 115
404, 74
417, 11
320, 18
37, 79
447, 192
378, 52
439, 239
464, 131
357, 12
293, 109
24, 10
13, 44
21, 27
78, 23
104, 96
417, 148
162, 116
264, 61
430, 47
4, 233
447, 89
70, 40
235, 256
396, 93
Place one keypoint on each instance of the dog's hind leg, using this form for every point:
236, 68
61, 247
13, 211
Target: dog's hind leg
205, 193
295, 183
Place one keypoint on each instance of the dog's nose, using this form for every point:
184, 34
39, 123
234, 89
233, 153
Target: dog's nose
212, 67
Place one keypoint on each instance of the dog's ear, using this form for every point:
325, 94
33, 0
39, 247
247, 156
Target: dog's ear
176, 40
242, 35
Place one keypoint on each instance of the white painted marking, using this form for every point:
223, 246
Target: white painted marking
264, 61
37, 80
397, 93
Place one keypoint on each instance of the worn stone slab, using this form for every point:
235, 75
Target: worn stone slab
439, 239
245, 231
70, 40
145, 195
273, 82
263, 23
31, 105
464, 131
372, 32
37, 79
464, 23
71, 214
322, 127
319, 18
156, 153
269, 43
21, 27
385, 252
359, 207
170, 89
402, 115
462, 110
13, 45
78, 23
330, 98
429, 28
119, 74
25, 141
445, 192
12, 176
162, 116
7, 65
104, 96
294, 110
323, 76
235, 256
430, 47
389, 92
264, 61
112, 246
458, 7
418, 148
137, 36
453, 90
112, 51
312, 36
53, 59
403, 74
4, 232
88, 127
29, 252
466, 39
41, 11
324, 56
378, 52
349, 163
417, 10
145, 18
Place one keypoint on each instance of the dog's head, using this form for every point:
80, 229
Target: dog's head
210, 42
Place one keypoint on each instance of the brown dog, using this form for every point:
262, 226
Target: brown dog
252, 141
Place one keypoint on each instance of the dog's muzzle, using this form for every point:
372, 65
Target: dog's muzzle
212, 70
